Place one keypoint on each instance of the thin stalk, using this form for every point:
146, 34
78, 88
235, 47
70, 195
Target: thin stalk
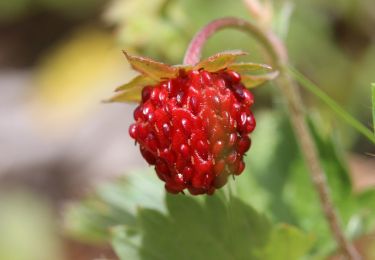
350, 120
278, 54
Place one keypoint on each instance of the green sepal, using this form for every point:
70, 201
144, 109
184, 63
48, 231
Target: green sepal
246, 67
129, 95
137, 82
150, 68
252, 81
219, 61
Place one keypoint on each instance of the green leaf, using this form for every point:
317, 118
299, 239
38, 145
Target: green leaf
138, 82
114, 204
333, 105
150, 68
268, 165
287, 243
277, 182
140, 225
249, 67
140, 188
217, 228
366, 211
212, 230
91, 220
252, 81
373, 105
219, 61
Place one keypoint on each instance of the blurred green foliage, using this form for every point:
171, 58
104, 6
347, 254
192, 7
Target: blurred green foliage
275, 183
141, 226
169, 25
332, 104
276, 168
27, 227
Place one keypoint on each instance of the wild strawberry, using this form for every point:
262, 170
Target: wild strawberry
193, 123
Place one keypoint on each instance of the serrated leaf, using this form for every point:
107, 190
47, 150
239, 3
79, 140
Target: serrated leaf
219, 61
283, 184
212, 227
252, 81
287, 243
249, 67
213, 230
217, 228
137, 82
150, 68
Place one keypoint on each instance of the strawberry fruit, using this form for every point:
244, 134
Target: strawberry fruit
193, 122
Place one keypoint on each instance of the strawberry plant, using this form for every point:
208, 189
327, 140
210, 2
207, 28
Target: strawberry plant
193, 122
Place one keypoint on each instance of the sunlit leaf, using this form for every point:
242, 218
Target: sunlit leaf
249, 67
251, 81
219, 61
138, 82
150, 68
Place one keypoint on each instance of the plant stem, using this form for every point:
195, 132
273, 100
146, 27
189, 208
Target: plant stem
352, 121
278, 54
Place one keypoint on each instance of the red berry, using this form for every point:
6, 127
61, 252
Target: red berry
194, 128
243, 144
133, 131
